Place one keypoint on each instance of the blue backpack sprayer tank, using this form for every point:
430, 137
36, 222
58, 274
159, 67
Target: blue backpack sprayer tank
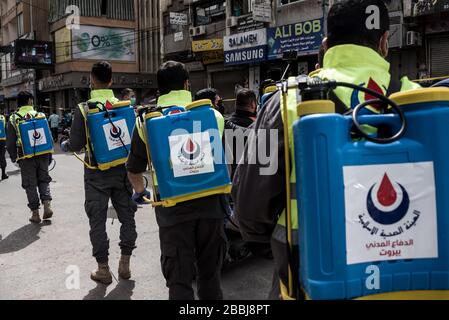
109, 128
373, 204
185, 150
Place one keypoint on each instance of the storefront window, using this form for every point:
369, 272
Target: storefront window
210, 12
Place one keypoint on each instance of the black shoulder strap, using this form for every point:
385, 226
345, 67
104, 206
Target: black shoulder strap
340, 106
395, 86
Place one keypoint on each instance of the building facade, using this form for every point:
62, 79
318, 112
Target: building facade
108, 30
20, 20
229, 44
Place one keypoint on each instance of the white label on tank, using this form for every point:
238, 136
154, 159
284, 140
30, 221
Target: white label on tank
117, 135
191, 154
37, 137
391, 212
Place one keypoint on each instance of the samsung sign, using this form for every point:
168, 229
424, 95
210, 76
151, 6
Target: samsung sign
244, 48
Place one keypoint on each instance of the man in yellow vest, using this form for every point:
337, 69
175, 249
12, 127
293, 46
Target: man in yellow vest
191, 233
102, 186
355, 53
3, 147
34, 171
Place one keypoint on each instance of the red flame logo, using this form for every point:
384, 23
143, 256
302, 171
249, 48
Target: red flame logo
387, 194
375, 87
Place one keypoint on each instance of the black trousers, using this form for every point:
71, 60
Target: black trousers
200, 243
2, 154
36, 180
55, 133
99, 188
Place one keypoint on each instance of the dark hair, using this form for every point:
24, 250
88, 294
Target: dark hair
102, 71
171, 76
126, 92
23, 98
208, 93
347, 23
244, 98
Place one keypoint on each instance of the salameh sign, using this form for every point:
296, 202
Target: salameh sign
423, 7
304, 37
247, 47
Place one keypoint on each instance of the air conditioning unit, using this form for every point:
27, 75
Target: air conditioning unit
197, 31
233, 22
414, 38
200, 30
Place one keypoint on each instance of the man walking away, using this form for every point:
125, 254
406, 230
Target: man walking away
35, 176
54, 125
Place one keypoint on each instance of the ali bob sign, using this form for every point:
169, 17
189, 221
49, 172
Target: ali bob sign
244, 48
304, 37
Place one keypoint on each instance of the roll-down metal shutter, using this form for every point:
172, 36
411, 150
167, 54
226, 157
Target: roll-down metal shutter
439, 55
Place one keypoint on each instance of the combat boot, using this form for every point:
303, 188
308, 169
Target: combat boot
102, 275
35, 218
48, 212
124, 271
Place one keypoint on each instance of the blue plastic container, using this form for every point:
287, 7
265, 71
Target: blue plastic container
187, 154
35, 136
368, 210
111, 133
2, 129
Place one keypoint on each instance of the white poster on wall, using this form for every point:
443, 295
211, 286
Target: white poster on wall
390, 212
99, 43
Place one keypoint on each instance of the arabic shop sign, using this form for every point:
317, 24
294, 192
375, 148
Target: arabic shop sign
304, 37
179, 19
247, 47
207, 45
425, 7
390, 214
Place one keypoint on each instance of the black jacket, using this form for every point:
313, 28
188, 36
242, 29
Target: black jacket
238, 123
260, 199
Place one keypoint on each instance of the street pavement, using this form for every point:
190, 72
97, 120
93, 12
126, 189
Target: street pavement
52, 261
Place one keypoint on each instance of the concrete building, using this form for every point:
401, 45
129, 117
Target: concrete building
228, 44
20, 20
108, 30
150, 43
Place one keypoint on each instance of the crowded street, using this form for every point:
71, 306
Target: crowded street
37, 261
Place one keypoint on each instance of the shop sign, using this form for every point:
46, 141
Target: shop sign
261, 10
207, 45
102, 43
304, 37
178, 19
424, 7
247, 47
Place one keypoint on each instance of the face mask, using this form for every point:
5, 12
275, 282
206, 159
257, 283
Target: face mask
133, 101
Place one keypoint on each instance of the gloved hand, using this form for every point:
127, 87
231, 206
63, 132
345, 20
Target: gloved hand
138, 198
65, 146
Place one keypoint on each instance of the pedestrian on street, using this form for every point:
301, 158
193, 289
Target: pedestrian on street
102, 186
354, 54
243, 117
54, 125
191, 233
129, 95
3, 147
34, 171
212, 95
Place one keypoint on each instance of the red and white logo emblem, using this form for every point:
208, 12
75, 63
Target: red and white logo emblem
390, 212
